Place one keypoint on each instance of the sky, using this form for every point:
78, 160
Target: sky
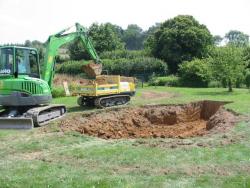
22, 20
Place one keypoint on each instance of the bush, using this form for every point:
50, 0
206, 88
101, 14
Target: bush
145, 66
135, 64
70, 67
214, 84
73, 68
195, 73
165, 81
127, 54
58, 92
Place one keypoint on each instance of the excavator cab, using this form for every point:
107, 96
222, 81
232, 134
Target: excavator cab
26, 62
24, 96
19, 61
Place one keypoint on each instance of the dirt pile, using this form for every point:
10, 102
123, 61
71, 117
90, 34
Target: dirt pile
193, 119
60, 78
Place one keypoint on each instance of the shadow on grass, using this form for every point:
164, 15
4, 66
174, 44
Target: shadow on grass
216, 93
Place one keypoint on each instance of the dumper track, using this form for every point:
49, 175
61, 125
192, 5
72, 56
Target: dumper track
109, 101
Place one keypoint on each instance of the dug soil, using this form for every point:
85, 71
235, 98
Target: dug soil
187, 120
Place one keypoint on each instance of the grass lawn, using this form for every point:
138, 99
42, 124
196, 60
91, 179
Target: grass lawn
54, 159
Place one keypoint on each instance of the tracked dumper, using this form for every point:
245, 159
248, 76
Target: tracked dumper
105, 91
25, 94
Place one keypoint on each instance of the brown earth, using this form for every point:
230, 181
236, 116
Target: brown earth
156, 95
60, 78
173, 121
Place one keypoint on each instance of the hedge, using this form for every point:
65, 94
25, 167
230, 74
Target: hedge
171, 80
127, 67
127, 54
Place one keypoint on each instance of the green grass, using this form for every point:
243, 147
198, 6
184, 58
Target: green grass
55, 159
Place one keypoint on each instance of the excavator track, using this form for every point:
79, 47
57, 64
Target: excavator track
33, 117
109, 101
43, 115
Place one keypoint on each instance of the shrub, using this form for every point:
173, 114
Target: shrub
165, 81
145, 66
130, 66
127, 54
58, 92
70, 67
214, 84
195, 73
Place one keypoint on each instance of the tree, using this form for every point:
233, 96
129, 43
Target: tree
151, 30
77, 51
27, 43
195, 73
217, 40
247, 79
149, 37
133, 37
37, 45
105, 37
227, 64
246, 54
180, 39
237, 38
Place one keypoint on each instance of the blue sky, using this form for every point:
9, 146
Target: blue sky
37, 19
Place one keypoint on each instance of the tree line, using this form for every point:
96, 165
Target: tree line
181, 47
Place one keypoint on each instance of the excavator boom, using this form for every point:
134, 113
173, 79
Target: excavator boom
92, 68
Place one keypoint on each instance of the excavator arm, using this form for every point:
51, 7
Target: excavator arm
56, 41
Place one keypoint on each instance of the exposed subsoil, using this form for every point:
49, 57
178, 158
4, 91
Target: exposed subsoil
172, 121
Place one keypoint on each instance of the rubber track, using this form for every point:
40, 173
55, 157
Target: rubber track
48, 111
99, 100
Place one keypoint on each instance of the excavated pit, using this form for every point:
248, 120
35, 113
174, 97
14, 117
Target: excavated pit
188, 120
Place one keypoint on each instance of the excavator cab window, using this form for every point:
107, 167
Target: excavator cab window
27, 62
6, 61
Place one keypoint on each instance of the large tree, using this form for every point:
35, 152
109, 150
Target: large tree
133, 37
246, 54
105, 37
180, 39
217, 40
237, 38
227, 64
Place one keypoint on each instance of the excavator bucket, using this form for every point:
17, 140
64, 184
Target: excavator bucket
16, 123
92, 69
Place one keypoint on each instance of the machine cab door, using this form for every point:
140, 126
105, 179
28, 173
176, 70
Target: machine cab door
26, 61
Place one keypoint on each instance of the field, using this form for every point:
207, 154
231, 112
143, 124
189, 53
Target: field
49, 157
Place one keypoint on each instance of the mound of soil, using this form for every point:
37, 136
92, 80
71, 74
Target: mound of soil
193, 119
60, 78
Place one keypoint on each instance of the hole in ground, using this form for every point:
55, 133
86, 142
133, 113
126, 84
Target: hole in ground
188, 120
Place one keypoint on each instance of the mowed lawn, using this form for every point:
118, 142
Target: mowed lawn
39, 158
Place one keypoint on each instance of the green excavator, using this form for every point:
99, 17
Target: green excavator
25, 93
